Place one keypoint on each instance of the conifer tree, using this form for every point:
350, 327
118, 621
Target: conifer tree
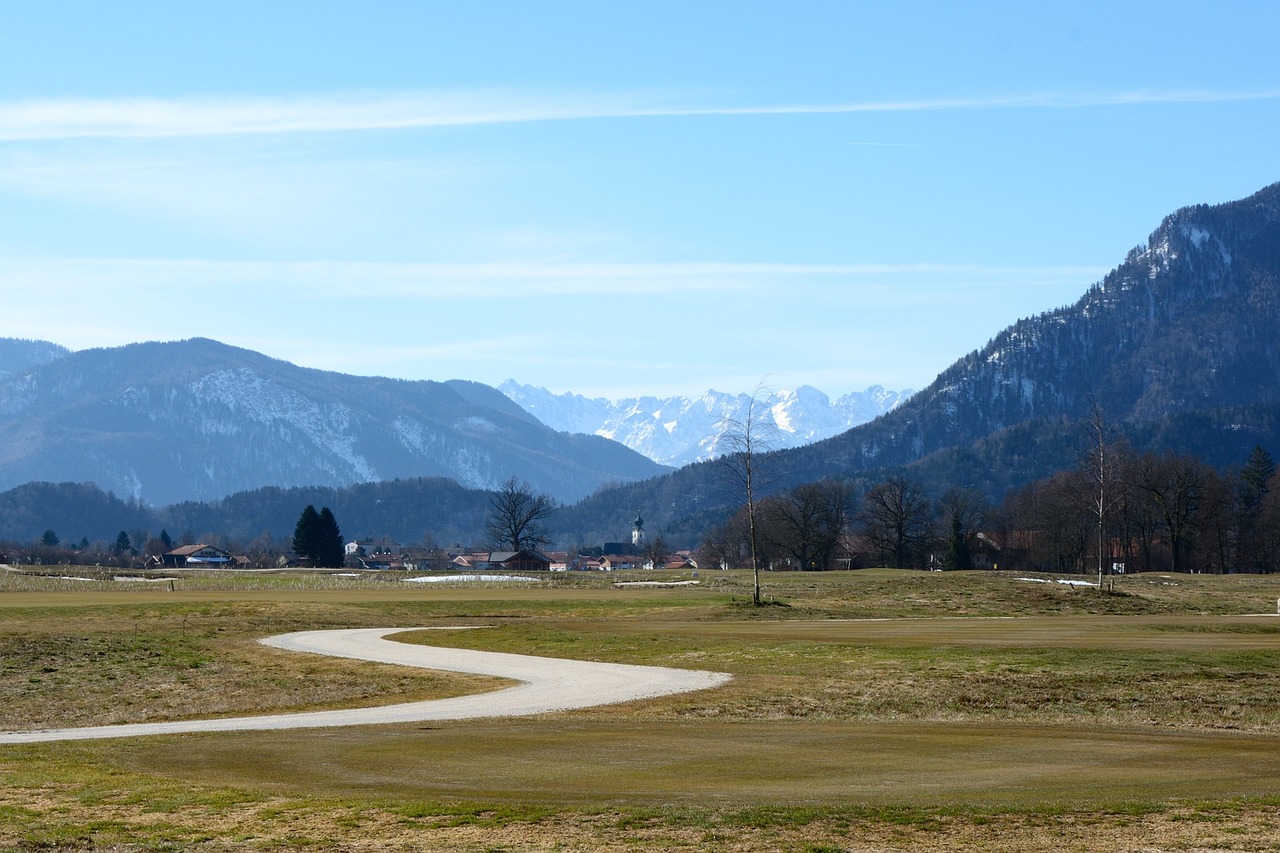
1251, 492
305, 539
316, 538
330, 544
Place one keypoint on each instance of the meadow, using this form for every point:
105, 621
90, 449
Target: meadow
870, 710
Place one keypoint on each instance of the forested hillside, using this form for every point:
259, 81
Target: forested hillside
1178, 346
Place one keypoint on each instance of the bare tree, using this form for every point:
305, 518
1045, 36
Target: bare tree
961, 515
1176, 485
747, 441
657, 551
809, 521
1217, 523
895, 519
719, 547
516, 516
1102, 466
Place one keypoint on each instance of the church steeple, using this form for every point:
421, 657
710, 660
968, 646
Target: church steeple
637, 531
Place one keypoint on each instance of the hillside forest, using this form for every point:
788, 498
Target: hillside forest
1115, 510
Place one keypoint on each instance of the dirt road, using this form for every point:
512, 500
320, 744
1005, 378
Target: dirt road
547, 684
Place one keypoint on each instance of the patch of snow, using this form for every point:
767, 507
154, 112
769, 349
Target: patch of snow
473, 579
251, 397
473, 468
475, 423
1195, 234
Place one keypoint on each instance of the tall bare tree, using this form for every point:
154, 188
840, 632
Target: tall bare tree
1176, 485
516, 516
895, 519
747, 441
809, 521
1102, 465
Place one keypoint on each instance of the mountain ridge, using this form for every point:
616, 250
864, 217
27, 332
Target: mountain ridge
679, 430
197, 419
1178, 345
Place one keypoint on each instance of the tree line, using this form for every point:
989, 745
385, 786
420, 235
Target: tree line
1118, 509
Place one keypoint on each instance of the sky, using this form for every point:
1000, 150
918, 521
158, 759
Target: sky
608, 198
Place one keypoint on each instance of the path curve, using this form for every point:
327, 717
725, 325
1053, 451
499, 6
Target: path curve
547, 684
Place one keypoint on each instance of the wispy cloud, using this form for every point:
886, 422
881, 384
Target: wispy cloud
469, 281
72, 118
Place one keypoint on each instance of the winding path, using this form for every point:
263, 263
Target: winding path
547, 684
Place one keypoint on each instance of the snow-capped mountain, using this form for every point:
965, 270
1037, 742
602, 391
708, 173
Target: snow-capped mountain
197, 420
680, 430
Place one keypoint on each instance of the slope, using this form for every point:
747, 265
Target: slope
167, 422
1179, 344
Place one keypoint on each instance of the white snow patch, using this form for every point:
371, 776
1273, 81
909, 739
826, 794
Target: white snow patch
255, 398
475, 423
473, 579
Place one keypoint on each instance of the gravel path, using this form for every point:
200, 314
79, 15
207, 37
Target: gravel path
548, 684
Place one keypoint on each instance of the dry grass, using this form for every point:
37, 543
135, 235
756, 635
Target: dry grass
865, 716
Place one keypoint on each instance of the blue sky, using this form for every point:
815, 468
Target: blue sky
607, 198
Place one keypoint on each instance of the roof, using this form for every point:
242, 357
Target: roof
188, 550
505, 556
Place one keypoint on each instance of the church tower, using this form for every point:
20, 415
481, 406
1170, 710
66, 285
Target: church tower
637, 532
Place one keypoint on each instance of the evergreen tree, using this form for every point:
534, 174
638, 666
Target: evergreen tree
1251, 492
329, 539
316, 538
49, 539
305, 534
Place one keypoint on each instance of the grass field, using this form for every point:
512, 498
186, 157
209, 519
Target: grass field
871, 710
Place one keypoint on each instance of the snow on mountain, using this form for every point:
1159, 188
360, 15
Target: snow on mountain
162, 423
680, 430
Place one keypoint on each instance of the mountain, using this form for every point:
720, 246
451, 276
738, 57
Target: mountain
1186, 324
679, 430
1178, 346
168, 422
19, 356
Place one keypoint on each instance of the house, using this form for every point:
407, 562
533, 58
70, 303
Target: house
186, 556
383, 562
470, 562
614, 563
681, 560
520, 561
561, 561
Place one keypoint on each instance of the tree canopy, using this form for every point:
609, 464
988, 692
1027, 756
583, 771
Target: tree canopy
517, 516
316, 538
